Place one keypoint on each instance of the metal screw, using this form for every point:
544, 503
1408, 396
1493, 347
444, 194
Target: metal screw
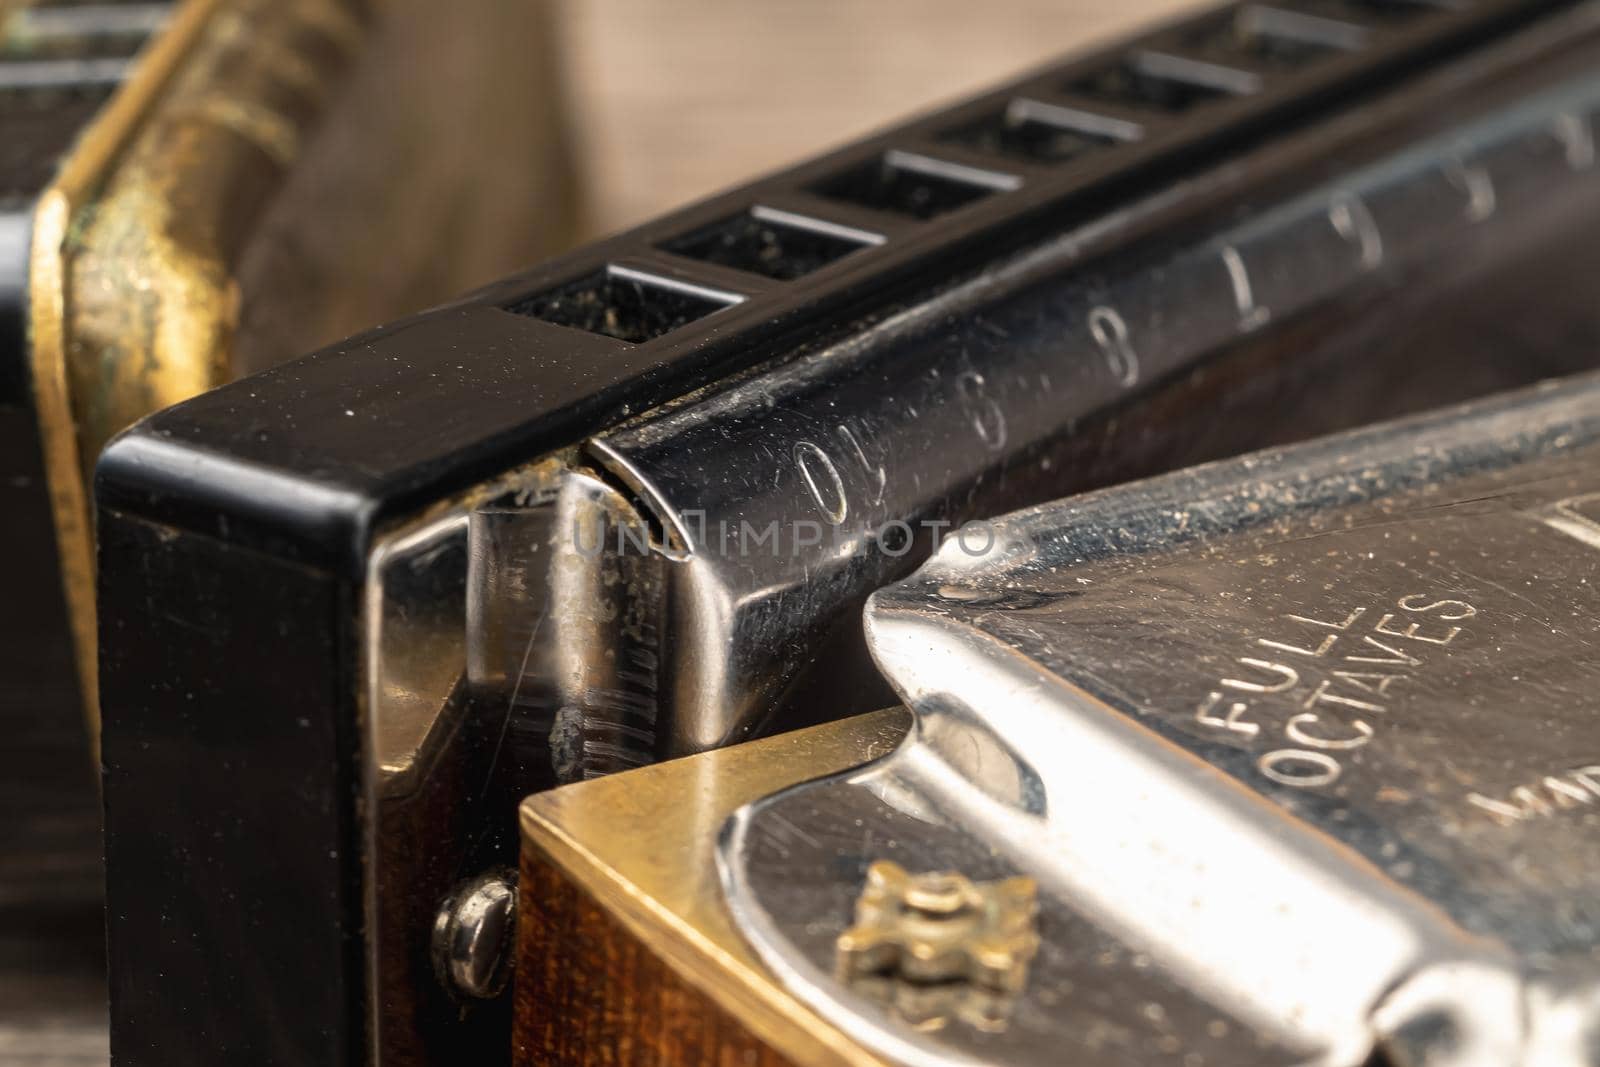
473, 936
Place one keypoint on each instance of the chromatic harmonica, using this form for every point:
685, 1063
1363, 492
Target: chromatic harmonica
190, 192
1280, 760
627, 505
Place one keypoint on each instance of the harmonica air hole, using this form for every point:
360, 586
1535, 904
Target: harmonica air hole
905, 184
1383, 12
1163, 82
1274, 37
773, 243
1041, 133
628, 305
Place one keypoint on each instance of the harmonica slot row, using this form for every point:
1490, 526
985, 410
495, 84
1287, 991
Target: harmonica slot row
51, 52
1049, 128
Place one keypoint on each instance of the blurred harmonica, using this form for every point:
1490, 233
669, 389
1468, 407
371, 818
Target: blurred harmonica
194, 191
628, 505
1282, 760
189, 192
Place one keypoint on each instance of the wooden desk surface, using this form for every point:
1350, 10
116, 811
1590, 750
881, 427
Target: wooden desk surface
673, 100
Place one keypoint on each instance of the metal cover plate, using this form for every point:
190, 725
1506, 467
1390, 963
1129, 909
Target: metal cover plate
1300, 747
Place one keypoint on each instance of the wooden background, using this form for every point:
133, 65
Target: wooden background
673, 99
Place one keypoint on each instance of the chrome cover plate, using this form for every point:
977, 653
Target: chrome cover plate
1301, 749
848, 459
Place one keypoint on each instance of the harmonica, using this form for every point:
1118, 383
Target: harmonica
627, 505
190, 192
180, 190
1278, 760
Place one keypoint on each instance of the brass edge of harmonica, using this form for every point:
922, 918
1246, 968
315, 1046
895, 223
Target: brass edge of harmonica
132, 301
586, 838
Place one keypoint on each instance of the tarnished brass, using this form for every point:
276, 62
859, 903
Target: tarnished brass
82, 173
149, 264
939, 926
642, 847
937, 945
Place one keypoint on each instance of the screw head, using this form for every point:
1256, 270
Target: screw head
473, 936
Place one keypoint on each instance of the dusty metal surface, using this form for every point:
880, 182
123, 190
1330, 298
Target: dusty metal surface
416, 685
787, 498
1300, 747
689, 579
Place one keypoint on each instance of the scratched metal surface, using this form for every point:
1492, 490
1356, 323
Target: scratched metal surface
538, 700
1341, 694
982, 400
